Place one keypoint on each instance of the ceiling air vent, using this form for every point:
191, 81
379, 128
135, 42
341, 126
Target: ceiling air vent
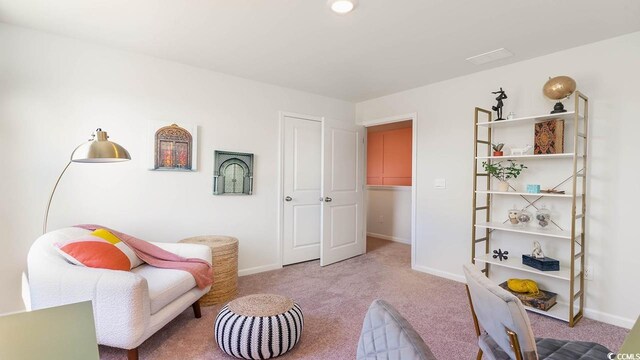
490, 56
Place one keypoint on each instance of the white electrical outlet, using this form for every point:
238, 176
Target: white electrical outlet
380, 219
588, 272
440, 183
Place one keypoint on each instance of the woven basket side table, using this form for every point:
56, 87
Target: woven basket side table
224, 251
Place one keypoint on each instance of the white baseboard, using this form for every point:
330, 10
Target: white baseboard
588, 313
258, 269
609, 318
392, 238
440, 273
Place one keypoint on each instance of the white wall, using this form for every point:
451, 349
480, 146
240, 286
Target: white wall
389, 213
55, 91
608, 73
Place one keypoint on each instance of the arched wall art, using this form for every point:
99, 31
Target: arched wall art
175, 147
232, 173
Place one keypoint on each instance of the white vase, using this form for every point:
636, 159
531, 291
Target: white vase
503, 186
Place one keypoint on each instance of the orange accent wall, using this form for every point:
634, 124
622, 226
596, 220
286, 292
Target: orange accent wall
389, 157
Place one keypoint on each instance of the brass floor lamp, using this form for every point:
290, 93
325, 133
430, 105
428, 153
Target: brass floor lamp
97, 150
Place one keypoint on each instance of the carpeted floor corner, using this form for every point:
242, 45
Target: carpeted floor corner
334, 300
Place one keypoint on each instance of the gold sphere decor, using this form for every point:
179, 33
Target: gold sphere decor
559, 88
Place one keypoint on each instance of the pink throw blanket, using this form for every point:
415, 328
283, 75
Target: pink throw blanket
155, 256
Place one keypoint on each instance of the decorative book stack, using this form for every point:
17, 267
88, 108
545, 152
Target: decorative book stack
543, 300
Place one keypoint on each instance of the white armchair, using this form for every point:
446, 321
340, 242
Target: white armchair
128, 306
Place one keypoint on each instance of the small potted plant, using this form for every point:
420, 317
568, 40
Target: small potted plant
503, 173
497, 149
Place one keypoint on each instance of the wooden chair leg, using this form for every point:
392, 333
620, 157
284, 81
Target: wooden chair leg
479, 357
132, 354
196, 309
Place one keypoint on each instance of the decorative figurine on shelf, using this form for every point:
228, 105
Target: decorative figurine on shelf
537, 253
498, 108
524, 217
543, 217
499, 254
558, 89
521, 151
497, 149
511, 116
513, 216
523, 286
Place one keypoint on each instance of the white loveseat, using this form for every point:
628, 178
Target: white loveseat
128, 306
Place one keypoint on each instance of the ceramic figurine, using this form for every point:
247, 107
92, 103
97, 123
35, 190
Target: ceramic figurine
537, 251
521, 151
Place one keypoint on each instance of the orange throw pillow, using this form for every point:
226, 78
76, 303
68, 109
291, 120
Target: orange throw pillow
100, 249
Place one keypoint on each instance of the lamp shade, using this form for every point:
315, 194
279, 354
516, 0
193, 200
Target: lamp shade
100, 150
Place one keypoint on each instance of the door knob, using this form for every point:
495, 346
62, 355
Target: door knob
328, 199
288, 198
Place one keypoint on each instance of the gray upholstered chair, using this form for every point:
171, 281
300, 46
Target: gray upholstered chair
508, 333
387, 335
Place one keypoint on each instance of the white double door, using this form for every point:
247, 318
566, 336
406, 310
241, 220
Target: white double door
323, 214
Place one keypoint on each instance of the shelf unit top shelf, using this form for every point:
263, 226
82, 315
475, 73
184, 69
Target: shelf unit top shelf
523, 193
531, 230
515, 262
537, 118
529, 156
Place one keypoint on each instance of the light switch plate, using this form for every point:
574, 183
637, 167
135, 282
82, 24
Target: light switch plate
440, 183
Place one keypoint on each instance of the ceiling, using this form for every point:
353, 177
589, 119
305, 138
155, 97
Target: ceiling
384, 46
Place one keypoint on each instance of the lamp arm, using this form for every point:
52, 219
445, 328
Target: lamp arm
46, 213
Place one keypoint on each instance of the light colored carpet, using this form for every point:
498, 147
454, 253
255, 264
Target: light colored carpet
334, 300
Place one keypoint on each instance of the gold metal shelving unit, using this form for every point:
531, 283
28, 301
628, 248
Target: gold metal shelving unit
481, 231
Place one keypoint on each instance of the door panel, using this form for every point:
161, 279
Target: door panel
302, 182
342, 188
306, 231
344, 160
343, 225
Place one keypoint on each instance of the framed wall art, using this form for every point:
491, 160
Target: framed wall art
173, 147
232, 173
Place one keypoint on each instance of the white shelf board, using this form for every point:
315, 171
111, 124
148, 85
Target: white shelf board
515, 262
531, 229
558, 311
522, 193
537, 118
529, 156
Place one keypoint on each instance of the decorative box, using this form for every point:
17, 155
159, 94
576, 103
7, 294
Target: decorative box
544, 300
533, 188
544, 264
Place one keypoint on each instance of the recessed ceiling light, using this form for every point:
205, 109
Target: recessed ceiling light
490, 56
343, 6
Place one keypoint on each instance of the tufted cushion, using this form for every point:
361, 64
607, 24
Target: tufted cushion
259, 326
550, 349
553, 349
387, 335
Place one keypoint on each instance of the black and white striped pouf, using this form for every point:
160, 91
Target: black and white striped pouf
259, 326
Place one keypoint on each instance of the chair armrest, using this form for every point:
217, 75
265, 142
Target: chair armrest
120, 299
187, 250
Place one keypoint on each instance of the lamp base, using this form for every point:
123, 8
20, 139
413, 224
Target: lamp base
558, 108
